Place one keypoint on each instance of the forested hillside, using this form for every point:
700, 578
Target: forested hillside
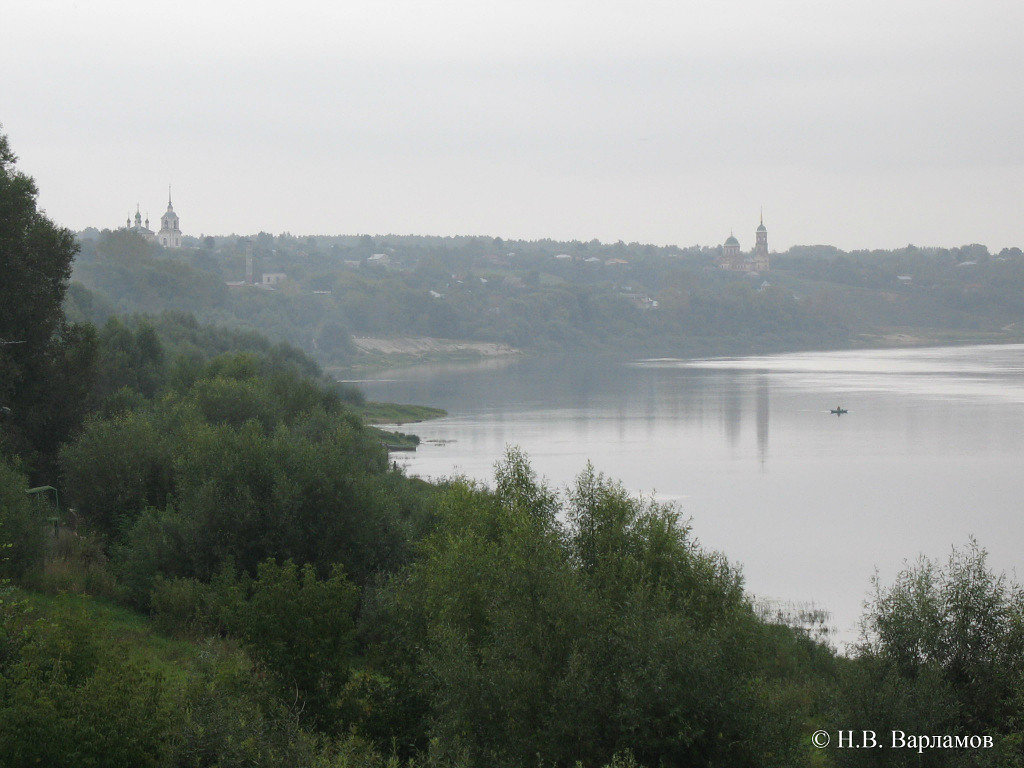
552, 297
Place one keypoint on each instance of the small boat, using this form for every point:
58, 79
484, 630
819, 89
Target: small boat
839, 410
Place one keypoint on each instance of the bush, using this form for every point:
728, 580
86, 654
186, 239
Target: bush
116, 468
942, 652
296, 625
156, 545
177, 604
77, 563
64, 702
517, 639
23, 525
227, 717
301, 627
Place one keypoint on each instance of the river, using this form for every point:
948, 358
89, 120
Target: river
809, 504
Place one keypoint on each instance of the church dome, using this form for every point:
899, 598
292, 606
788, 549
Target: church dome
732, 241
762, 228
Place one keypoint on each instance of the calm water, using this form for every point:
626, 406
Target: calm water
809, 504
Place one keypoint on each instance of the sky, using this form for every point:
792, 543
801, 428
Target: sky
862, 124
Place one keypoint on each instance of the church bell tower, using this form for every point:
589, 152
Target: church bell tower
169, 235
760, 260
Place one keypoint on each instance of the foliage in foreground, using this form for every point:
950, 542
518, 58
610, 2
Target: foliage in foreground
515, 634
943, 653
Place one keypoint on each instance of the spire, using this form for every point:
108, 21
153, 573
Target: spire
169, 197
762, 215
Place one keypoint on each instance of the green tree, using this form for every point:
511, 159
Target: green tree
46, 365
301, 627
942, 653
115, 469
132, 359
516, 638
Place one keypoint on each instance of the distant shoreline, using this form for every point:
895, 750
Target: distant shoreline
456, 352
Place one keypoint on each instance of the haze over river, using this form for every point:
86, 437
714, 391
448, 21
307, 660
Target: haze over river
808, 503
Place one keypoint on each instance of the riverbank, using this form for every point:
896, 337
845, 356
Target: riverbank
398, 413
377, 354
396, 441
914, 337
375, 414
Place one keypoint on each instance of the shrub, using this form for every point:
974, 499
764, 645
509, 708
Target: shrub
942, 652
65, 702
177, 604
22, 525
157, 544
77, 563
298, 626
115, 469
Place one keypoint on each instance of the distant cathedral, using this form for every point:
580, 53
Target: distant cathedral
736, 261
169, 235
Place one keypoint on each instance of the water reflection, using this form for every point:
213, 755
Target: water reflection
763, 414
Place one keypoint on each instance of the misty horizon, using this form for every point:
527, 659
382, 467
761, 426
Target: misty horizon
746, 244
873, 125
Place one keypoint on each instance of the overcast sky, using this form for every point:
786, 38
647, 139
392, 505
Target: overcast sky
862, 123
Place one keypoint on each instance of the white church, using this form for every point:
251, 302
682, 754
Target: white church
169, 235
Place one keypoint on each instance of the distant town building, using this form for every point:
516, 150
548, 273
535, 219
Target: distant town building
732, 257
253, 277
139, 228
640, 300
273, 279
169, 235
755, 262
